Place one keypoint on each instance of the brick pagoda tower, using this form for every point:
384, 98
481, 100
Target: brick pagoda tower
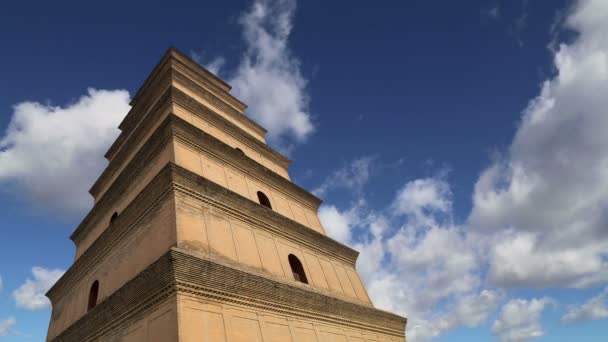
198, 234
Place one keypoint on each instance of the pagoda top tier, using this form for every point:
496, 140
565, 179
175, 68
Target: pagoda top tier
176, 67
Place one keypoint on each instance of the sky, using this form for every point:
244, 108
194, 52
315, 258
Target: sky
460, 146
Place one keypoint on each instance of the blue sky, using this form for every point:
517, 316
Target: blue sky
459, 145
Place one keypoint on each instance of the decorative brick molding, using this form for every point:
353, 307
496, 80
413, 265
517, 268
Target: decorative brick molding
173, 178
132, 301
128, 142
174, 126
193, 185
181, 272
176, 66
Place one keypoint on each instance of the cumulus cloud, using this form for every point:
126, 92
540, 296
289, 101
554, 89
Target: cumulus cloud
268, 78
53, 154
31, 295
550, 191
414, 260
6, 326
519, 320
594, 308
422, 196
474, 309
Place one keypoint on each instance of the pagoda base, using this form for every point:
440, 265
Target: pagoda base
189, 297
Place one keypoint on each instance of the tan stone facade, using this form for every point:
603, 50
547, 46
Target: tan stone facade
182, 249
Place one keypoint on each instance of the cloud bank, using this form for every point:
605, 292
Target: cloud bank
551, 189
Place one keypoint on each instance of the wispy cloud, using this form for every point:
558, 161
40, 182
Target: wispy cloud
594, 308
492, 12
6, 326
518, 25
351, 176
268, 78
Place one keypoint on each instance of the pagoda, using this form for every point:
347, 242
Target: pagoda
198, 234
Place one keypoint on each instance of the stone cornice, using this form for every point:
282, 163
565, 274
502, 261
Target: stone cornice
205, 112
128, 176
139, 295
174, 95
178, 271
195, 136
200, 188
175, 178
153, 195
150, 104
201, 140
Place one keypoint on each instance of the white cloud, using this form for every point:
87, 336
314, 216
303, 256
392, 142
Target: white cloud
519, 320
268, 78
31, 295
352, 176
550, 192
594, 308
422, 195
216, 65
53, 154
6, 326
414, 260
336, 223
517, 261
474, 309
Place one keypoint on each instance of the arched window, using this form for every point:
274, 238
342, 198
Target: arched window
264, 200
239, 151
93, 295
297, 269
113, 218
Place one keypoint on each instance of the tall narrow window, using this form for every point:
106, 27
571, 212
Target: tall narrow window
93, 295
113, 218
264, 200
297, 269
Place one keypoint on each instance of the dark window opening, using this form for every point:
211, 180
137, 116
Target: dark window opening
297, 269
93, 295
113, 218
264, 200
239, 151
